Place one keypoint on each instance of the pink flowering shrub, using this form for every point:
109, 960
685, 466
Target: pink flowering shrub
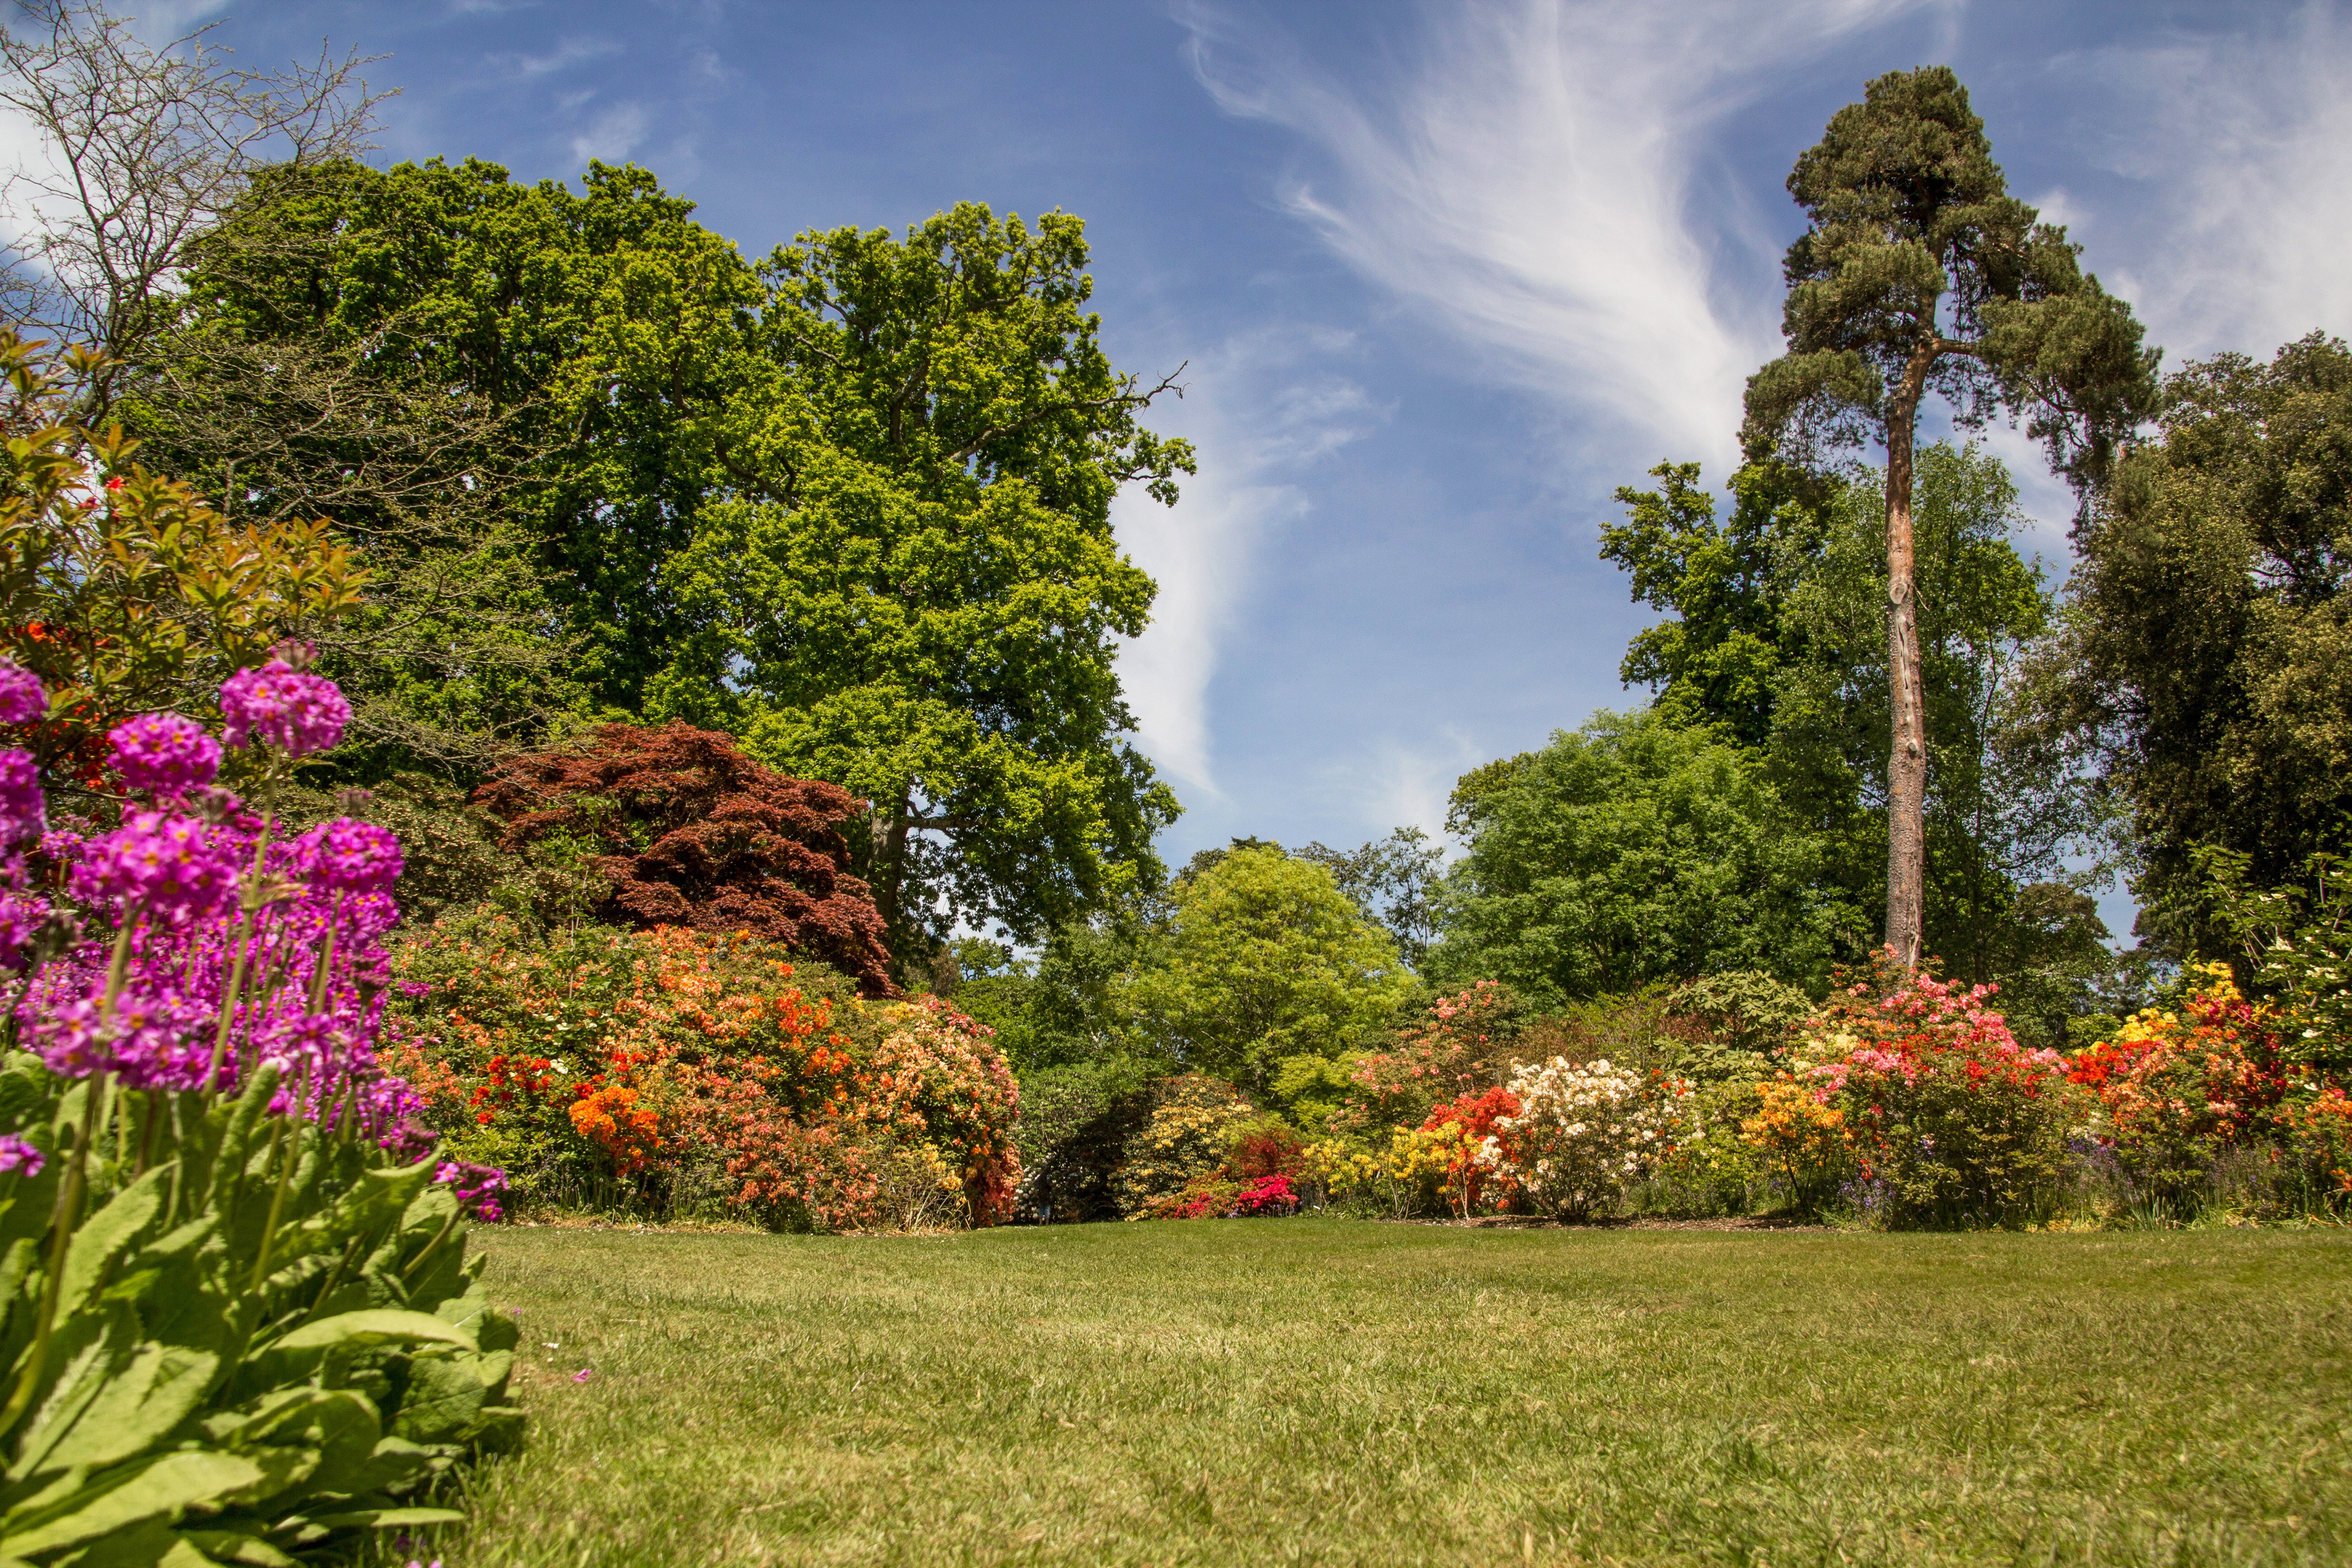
1956, 1124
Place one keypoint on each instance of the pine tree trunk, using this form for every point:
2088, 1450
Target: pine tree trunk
1907, 767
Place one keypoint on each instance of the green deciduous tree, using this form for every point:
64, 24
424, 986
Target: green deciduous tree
1631, 851
1725, 584
1388, 879
1919, 273
912, 588
1264, 971
2210, 647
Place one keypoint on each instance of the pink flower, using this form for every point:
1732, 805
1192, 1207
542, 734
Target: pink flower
23, 808
280, 706
351, 857
164, 754
22, 700
18, 1158
159, 858
580, 1376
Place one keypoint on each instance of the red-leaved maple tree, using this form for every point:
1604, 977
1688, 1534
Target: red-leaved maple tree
695, 834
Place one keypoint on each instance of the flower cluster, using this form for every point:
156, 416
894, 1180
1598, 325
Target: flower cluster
164, 755
1584, 1132
22, 700
178, 984
279, 705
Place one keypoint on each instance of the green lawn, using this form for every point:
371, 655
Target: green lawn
1312, 1391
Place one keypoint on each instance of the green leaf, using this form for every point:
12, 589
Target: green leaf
388, 1518
160, 1488
233, 1546
104, 1236
444, 1395
140, 1403
298, 1354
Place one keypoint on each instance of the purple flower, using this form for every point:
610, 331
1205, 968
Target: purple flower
70, 1038
350, 856
160, 1041
18, 1158
280, 706
22, 700
21, 918
167, 861
23, 808
164, 754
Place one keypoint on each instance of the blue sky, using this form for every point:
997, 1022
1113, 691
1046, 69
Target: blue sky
1443, 275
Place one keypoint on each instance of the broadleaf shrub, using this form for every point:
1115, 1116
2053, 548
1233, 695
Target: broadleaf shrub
690, 831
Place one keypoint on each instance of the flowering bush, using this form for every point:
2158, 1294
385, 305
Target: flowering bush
1804, 1139
2177, 1088
1958, 1122
1453, 1052
677, 1069
1188, 1135
2316, 1134
1584, 1132
1462, 1130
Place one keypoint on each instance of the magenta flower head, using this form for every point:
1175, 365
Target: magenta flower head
278, 705
164, 754
18, 1158
22, 700
350, 856
24, 811
161, 859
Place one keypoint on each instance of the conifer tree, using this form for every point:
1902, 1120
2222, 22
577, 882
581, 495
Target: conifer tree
1918, 273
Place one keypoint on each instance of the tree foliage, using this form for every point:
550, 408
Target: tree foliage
689, 832
1262, 965
1632, 850
2210, 649
913, 587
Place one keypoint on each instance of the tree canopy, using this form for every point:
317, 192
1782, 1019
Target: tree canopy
912, 587
1632, 850
1263, 974
2210, 647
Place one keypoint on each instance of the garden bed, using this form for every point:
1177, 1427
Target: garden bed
1322, 1391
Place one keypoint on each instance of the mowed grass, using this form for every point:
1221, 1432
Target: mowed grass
1329, 1391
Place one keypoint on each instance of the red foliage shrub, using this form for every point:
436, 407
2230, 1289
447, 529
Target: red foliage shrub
697, 834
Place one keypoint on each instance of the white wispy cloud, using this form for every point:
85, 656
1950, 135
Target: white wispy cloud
612, 134
1529, 182
1262, 411
2240, 146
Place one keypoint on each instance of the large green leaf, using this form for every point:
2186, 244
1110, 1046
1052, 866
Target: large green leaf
104, 1236
142, 1402
237, 1547
298, 1354
389, 1518
444, 1395
338, 1427
162, 1487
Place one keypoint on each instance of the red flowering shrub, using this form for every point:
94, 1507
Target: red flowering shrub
1955, 1121
1474, 1183
693, 833
1458, 1049
1266, 1195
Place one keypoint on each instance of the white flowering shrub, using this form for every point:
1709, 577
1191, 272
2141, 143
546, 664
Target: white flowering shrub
1584, 1132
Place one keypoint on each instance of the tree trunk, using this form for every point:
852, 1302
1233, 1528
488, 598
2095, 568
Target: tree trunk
1907, 767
